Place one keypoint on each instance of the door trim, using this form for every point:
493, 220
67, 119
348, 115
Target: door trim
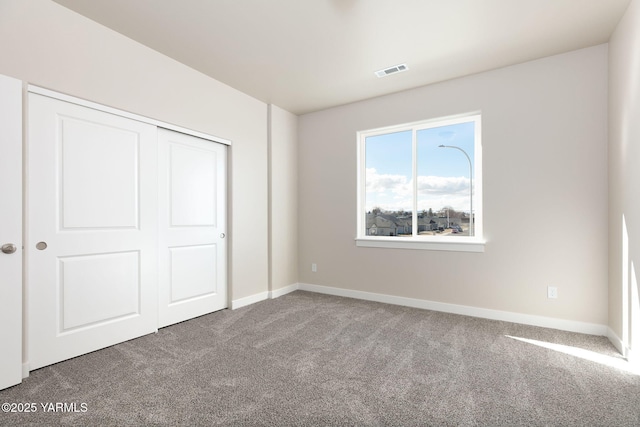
25, 89
79, 101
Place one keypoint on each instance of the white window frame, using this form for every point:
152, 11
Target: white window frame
473, 243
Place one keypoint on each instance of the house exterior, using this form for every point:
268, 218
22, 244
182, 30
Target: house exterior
382, 224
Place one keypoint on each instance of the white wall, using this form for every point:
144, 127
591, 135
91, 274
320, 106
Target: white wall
545, 192
545, 176
624, 177
45, 44
283, 218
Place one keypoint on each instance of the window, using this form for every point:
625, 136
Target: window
420, 185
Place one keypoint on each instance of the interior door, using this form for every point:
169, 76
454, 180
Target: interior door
10, 231
192, 206
92, 230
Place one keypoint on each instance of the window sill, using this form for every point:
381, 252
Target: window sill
468, 245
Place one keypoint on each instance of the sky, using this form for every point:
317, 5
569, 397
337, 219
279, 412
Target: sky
443, 173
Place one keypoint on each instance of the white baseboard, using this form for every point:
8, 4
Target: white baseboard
485, 313
251, 299
283, 291
617, 343
633, 357
526, 319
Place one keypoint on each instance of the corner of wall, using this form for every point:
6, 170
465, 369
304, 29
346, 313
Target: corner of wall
283, 200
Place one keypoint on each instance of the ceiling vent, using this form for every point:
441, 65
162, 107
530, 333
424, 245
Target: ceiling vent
392, 70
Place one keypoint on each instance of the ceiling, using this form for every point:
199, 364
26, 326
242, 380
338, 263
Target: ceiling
308, 55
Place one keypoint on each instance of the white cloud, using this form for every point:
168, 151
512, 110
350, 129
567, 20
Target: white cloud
430, 185
394, 192
385, 183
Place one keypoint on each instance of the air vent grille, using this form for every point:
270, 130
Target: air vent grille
392, 70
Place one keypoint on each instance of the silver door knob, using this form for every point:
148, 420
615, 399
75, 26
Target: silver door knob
9, 248
222, 235
41, 246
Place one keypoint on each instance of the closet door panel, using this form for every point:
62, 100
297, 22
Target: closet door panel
192, 201
92, 230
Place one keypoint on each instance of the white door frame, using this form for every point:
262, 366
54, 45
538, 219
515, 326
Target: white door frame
11, 231
63, 97
14, 358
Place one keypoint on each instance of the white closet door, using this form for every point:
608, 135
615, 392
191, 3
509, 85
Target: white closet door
92, 230
10, 232
192, 206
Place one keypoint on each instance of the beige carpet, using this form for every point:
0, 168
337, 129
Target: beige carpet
308, 359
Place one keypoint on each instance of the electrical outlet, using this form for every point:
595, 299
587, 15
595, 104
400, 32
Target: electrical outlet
314, 268
552, 292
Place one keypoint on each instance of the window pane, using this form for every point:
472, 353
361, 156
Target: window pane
445, 194
389, 193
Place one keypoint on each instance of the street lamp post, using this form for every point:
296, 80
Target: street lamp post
470, 185
448, 224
